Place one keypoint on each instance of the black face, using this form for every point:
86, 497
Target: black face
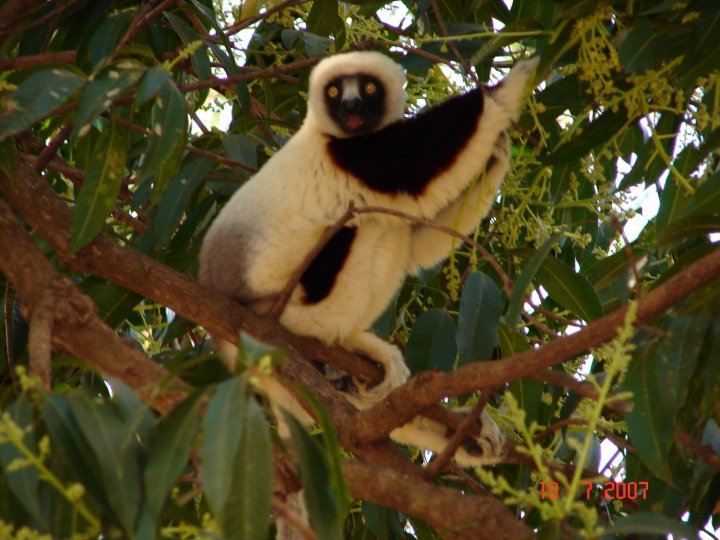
356, 103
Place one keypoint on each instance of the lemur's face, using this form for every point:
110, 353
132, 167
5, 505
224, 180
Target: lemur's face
356, 103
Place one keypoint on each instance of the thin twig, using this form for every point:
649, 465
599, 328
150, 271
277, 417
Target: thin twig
282, 300
540, 325
146, 14
562, 379
550, 314
557, 426
220, 159
411, 49
12, 29
52, 147
250, 75
484, 253
451, 45
244, 23
703, 451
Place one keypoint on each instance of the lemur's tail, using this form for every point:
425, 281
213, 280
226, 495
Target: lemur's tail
509, 92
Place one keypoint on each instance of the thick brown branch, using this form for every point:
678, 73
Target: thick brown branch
454, 514
428, 388
76, 328
40, 335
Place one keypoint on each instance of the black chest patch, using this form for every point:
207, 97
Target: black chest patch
319, 277
405, 156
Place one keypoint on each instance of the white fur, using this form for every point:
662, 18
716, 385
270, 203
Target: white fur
276, 218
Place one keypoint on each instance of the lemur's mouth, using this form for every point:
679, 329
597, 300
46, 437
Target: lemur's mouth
354, 122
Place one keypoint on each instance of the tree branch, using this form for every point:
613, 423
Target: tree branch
35, 200
72, 322
403, 403
457, 516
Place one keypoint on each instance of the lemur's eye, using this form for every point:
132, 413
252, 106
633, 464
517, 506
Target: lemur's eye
333, 92
370, 88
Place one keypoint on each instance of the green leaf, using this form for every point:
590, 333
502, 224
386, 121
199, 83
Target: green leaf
82, 151
38, 95
650, 431
252, 352
333, 453
199, 59
8, 157
246, 515
239, 148
512, 317
106, 36
596, 134
501, 40
223, 426
101, 185
316, 45
23, 482
323, 16
168, 455
324, 20
167, 140
322, 503
709, 372
570, 289
706, 198
691, 226
651, 523
649, 167
151, 83
478, 318
68, 438
544, 12
676, 358
527, 392
511, 341
175, 200
647, 45
114, 303
117, 451
432, 342
672, 203
98, 94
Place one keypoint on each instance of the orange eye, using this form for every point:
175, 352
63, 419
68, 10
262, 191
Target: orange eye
370, 88
333, 92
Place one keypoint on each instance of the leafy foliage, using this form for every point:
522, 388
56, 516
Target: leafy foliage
626, 112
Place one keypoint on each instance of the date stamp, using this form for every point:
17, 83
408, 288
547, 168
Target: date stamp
610, 490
